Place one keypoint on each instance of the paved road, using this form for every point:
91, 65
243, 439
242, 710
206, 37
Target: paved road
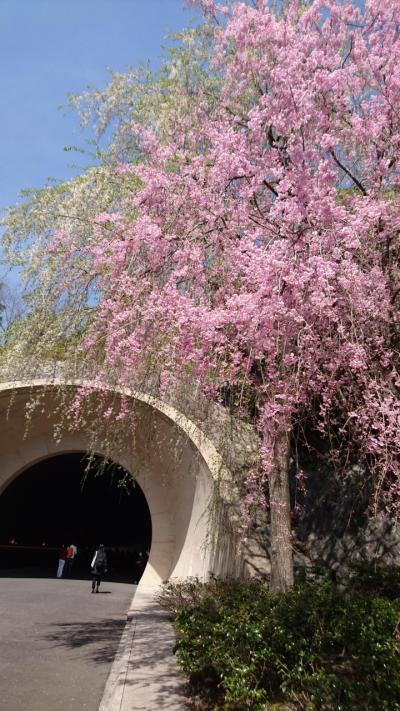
57, 642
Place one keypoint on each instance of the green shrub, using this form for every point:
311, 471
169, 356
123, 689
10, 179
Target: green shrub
175, 595
375, 579
316, 647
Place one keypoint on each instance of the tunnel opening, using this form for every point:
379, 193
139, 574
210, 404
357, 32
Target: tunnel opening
59, 500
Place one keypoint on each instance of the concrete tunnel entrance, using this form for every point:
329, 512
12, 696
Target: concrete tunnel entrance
174, 463
56, 501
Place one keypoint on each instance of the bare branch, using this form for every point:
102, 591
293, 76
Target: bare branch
349, 173
270, 187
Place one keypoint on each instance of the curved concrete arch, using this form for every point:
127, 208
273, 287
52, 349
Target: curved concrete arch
175, 469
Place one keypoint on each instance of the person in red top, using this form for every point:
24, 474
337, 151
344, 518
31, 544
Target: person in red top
71, 553
62, 557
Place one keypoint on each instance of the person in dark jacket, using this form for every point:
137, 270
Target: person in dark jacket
98, 567
62, 557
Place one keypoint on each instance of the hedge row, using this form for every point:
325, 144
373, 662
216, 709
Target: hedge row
317, 647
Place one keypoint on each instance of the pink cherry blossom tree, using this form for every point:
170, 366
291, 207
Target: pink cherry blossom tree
258, 254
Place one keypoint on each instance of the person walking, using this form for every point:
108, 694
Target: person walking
62, 557
98, 567
71, 553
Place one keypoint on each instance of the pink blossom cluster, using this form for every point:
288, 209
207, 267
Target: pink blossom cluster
261, 253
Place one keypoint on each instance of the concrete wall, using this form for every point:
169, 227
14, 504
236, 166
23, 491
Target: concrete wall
171, 459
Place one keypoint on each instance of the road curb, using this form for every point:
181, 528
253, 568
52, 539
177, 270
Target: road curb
115, 685
144, 675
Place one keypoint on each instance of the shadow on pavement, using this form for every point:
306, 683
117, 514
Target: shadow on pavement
101, 638
50, 573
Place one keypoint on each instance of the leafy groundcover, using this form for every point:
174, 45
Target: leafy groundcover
319, 646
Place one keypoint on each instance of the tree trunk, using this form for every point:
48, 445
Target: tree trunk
281, 531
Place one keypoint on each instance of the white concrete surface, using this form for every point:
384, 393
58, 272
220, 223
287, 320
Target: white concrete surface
145, 674
172, 460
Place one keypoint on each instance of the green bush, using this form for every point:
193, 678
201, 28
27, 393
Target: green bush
375, 579
316, 647
175, 595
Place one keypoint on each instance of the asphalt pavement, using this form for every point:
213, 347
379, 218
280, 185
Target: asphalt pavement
58, 642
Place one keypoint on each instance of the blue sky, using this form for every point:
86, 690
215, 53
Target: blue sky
51, 47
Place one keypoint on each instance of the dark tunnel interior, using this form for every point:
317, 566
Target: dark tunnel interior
57, 502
